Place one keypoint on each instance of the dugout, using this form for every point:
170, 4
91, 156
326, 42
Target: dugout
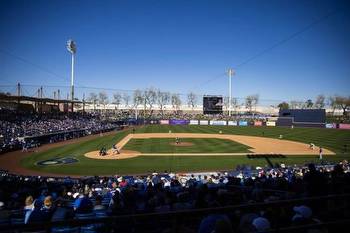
302, 118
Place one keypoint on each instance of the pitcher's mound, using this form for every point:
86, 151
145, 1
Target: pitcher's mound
182, 144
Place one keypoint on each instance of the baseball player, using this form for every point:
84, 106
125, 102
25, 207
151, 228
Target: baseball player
115, 149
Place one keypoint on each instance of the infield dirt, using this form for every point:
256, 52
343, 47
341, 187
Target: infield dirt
259, 145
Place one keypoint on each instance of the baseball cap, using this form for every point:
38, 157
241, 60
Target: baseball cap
261, 224
303, 210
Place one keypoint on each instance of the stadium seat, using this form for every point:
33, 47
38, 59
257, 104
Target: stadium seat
4, 221
16, 221
85, 216
100, 213
65, 230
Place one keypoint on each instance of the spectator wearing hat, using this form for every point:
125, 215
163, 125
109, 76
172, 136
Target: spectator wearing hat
83, 204
303, 215
215, 223
261, 224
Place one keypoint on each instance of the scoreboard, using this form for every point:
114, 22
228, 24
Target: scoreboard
212, 104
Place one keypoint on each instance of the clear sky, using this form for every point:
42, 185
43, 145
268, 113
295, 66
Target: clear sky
178, 45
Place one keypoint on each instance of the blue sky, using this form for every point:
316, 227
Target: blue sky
178, 45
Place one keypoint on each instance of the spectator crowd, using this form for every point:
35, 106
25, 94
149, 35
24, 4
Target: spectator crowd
15, 125
33, 199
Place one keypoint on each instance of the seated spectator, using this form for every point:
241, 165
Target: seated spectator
48, 207
61, 212
98, 204
261, 224
28, 208
83, 204
215, 223
4, 213
36, 215
303, 215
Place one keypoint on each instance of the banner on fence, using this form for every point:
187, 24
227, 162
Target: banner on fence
257, 123
270, 123
193, 122
344, 126
233, 123
272, 118
331, 126
203, 122
217, 122
164, 122
243, 123
179, 122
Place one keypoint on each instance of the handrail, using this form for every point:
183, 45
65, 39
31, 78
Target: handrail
182, 213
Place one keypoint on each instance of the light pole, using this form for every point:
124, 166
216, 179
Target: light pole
72, 48
230, 74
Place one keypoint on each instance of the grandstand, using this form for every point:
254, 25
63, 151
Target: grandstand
174, 117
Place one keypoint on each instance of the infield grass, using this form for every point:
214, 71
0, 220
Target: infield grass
333, 139
199, 145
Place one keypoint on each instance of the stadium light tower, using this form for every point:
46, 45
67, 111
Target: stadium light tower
231, 72
72, 48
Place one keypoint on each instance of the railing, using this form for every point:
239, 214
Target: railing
173, 219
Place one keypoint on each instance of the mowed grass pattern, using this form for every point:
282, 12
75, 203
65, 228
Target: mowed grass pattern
332, 139
200, 145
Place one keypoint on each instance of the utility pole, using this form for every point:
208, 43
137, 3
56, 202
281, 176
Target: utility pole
18, 89
18, 95
230, 74
83, 103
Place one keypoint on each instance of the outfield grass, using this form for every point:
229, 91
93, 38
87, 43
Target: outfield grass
332, 139
199, 145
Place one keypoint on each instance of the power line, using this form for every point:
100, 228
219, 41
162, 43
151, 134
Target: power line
116, 90
279, 43
285, 40
33, 64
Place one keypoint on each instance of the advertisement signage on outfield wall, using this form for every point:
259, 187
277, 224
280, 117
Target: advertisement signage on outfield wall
344, 126
257, 123
217, 122
232, 123
193, 122
270, 123
164, 122
243, 123
179, 122
331, 126
203, 122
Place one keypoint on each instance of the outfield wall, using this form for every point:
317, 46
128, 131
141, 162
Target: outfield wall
271, 122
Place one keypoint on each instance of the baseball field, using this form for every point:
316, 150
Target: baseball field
197, 148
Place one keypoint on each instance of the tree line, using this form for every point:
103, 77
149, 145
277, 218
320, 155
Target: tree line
148, 98
334, 102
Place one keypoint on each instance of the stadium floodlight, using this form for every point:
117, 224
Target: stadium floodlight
72, 48
231, 72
